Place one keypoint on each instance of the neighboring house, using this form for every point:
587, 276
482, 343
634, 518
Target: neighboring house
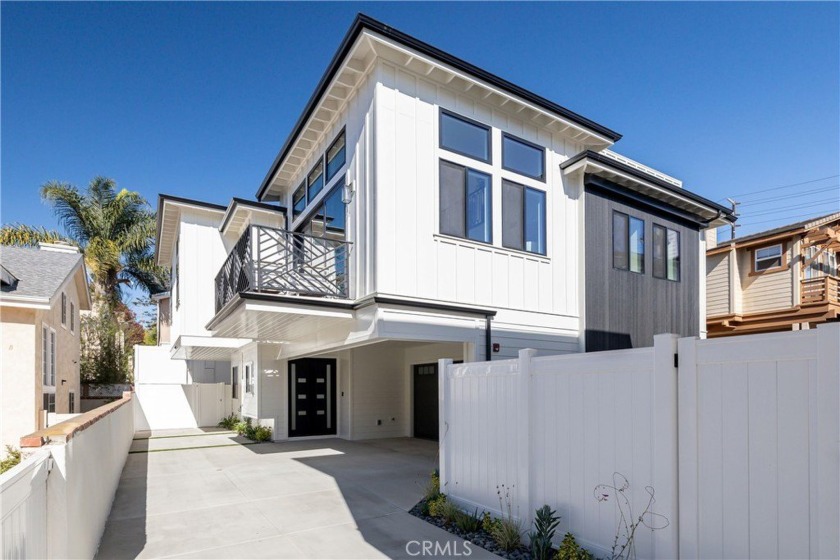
43, 291
420, 209
782, 279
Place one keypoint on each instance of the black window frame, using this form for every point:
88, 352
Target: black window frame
629, 267
465, 235
320, 163
666, 229
524, 218
327, 176
446, 112
530, 144
302, 190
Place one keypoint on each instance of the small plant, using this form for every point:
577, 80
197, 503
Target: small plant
468, 522
571, 550
262, 433
448, 512
433, 487
436, 505
545, 523
229, 422
507, 534
489, 523
624, 545
13, 457
254, 433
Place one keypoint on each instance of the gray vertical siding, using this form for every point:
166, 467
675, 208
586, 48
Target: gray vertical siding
625, 309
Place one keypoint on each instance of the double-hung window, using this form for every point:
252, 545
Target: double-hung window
523, 218
523, 157
666, 253
628, 242
49, 402
768, 258
464, 136
465, 202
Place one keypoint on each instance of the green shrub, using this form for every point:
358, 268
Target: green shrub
448, 512
489, 523
12, 458
507, 534
571, 550
433, 487
229, 422
262, 433
545, 523
254, 433
240, 427
468, 522
436, 504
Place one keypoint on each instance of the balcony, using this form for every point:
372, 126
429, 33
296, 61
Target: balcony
274, 261
821, 290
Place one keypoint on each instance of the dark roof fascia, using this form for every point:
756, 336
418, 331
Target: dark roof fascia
382, 300
236, 201
618, 193
610, 162
363, 22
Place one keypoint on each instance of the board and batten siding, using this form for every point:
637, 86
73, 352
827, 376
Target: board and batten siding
767, 291
717, 284
414, 260
615, 318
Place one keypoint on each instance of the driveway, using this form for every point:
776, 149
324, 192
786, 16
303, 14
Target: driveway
197, 494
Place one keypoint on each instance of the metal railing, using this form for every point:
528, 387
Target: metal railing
276, 261
822, 289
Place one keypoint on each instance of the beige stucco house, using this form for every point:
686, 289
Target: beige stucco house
782, 279
43, 291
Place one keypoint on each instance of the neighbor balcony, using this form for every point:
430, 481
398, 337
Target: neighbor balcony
269, 260
821, 290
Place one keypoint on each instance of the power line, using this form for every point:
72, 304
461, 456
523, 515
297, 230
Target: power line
795, 195
809, 214
758, 191
794, 207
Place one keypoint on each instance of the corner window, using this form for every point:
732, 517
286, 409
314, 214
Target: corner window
315, 181
336, 156
523, 157
628, 243
63, 309
465, 202
464, 136
523, 218
299, 200
768, 258
666, 253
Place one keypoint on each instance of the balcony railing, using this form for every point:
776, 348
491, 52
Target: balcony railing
822, 289
276, 261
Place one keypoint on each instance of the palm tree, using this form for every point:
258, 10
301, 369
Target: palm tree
114, 229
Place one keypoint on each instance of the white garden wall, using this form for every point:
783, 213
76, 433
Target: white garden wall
168, 407
740, 442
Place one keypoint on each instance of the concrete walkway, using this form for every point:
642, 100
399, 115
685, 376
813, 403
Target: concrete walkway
197, 494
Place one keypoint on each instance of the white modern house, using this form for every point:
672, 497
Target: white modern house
423, 208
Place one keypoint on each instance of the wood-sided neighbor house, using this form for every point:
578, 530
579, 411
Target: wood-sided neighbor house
782, 279
423, 208
43, 291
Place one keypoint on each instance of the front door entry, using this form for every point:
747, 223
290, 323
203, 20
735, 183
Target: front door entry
312, 397
426, 401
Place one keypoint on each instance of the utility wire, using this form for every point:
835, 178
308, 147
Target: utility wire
809, 214
794, 207
759, 191
796, 195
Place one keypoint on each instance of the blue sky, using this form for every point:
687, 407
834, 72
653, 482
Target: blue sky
196, 99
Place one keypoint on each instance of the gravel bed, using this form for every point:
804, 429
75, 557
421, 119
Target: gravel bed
481, 538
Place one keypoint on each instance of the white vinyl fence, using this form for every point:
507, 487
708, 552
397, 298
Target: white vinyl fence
165, 407
738, 437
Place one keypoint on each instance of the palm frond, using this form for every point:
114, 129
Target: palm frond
22, 235
70, 208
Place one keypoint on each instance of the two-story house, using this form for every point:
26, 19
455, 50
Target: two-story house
781, 279
423, 208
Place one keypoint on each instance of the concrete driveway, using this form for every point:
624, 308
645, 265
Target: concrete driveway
194, 494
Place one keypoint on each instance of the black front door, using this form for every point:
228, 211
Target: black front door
312, 397
426, 401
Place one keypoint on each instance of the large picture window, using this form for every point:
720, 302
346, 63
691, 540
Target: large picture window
464, 136
523, 218
465, 203
666, 253
523, 157
628, 243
